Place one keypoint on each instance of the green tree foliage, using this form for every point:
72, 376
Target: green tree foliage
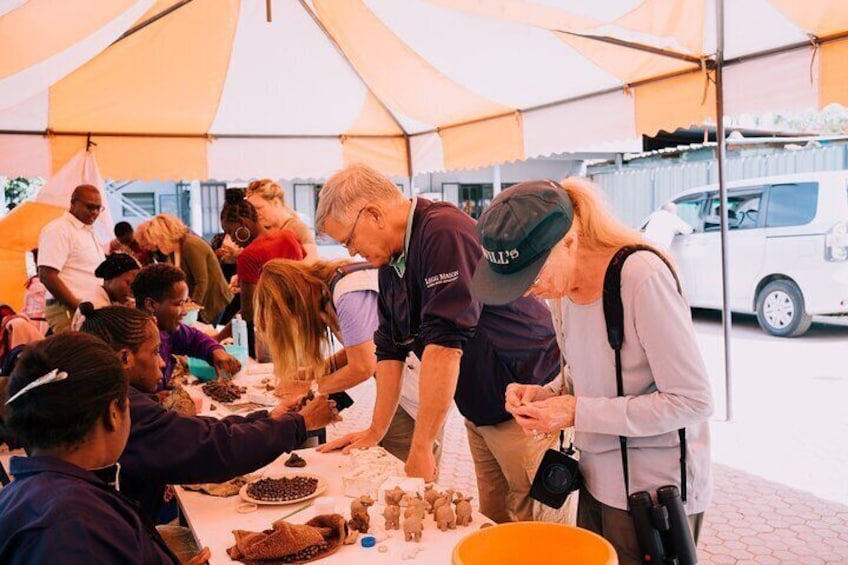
16, 190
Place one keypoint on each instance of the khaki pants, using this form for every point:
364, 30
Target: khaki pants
398, 437
616, 526
505, 460
58, 317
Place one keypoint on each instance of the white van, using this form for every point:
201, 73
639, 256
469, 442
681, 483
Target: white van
788, 248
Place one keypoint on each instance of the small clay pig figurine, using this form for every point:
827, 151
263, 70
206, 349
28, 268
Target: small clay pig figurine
443, 500
415, 505
394, 496
359, 518
463, 509
412, 528
445, 519
392, 516
430, 496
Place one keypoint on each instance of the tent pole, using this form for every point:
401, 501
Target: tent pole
721, 150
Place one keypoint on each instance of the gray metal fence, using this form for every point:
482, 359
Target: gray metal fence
635, 192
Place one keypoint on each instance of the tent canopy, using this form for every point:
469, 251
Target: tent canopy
213, 89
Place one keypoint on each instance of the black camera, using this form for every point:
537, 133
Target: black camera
556, 478
662, 528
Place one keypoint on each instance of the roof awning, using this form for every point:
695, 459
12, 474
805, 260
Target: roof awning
200, 89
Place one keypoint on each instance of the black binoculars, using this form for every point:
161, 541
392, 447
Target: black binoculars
662, 528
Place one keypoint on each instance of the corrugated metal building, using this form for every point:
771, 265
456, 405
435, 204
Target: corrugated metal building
641, 185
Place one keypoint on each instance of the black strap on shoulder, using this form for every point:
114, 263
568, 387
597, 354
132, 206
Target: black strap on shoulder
614, 316
344, 270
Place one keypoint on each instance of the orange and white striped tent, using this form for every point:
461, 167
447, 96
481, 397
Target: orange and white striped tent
233, 89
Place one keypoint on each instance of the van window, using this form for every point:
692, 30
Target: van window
792, 204
743, 210
689, 211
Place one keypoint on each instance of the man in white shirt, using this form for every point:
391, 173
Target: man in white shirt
663, 225
68, 254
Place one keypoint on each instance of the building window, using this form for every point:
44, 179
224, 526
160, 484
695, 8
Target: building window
474, 198
138, 204
212, 202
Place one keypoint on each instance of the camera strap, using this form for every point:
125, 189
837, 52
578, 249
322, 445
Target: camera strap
614, 317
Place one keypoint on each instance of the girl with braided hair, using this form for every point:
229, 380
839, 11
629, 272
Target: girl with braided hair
241, 222
67, 402
165, 447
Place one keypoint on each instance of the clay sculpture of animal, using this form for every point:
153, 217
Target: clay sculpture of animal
412, 528
394, 496
392, 516
445, 519
443, 500
463, 509
430, 496
359, 518
415, 506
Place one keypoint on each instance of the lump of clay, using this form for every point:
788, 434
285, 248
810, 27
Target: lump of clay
295, 460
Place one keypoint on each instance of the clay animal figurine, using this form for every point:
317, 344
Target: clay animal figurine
412, 528
415, 506
445, 519
359, 518
430, 496
443, 500
463, 509
392, 516
394, 496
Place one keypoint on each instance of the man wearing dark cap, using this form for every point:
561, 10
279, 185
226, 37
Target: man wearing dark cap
69, 252
427, 252
118, 272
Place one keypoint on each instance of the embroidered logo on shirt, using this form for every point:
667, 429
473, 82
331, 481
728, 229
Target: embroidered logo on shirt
441, 278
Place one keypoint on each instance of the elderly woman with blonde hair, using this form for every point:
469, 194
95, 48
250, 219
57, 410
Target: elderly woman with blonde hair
300, 308
639, 411
269, 200
206, 283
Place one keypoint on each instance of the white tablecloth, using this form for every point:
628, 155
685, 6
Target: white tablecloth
213, 519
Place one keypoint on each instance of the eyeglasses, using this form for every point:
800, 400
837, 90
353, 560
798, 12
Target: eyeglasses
347, 240
92, 207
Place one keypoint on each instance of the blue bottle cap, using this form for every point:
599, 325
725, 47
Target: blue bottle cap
368, 541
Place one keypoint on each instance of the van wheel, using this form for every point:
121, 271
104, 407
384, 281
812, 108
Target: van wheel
780, 309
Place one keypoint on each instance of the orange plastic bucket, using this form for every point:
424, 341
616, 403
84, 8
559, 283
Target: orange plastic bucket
539, 543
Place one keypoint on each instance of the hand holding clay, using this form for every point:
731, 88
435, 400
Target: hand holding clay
547, 416
319, 412
518, 395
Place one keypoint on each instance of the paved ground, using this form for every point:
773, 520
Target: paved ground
752, 520
789, 422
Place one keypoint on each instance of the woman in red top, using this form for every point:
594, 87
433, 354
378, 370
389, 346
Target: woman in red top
240, 221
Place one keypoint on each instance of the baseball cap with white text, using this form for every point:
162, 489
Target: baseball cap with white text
517, 232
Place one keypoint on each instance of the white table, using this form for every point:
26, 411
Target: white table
251, 377
213, 519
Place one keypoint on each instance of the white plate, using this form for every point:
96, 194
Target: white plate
322, 486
